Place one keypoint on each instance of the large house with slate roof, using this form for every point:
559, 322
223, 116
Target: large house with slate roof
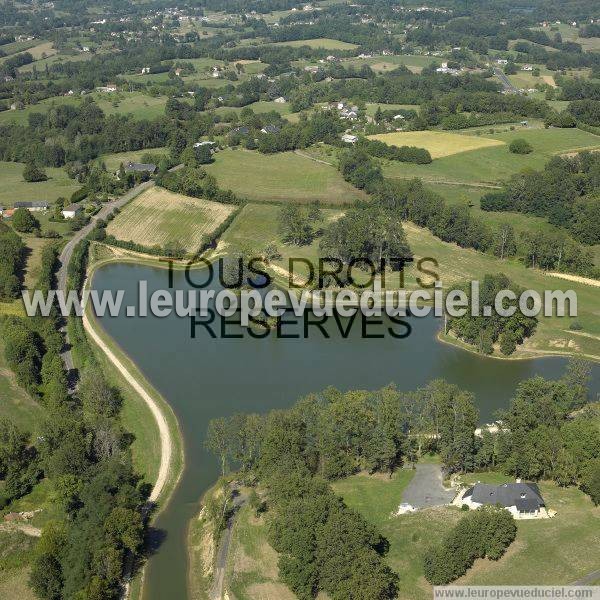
522, 500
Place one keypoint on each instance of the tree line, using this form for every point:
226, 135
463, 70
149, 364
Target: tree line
82, 450
412, 201
12, 254
563, 192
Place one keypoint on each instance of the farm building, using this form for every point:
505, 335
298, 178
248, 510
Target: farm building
522, 500
348, 138
32, 206
71, 211
132, 167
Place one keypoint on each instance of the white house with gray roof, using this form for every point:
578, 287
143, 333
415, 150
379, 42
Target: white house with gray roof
522, 500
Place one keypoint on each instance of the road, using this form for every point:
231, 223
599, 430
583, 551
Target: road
67, 253
589, 579
223, 551
505, 81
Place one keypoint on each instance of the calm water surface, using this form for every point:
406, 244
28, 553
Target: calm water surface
204, 378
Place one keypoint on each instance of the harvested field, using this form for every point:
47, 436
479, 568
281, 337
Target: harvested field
158, 217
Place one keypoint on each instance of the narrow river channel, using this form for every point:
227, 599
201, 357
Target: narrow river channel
204, 378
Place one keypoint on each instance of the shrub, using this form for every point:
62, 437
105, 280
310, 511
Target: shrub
33, 173
487, 532
520, 146
23, 221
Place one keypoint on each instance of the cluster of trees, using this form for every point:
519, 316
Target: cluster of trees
24, 221
312, 528
11, 263
484, 533
322, 126
562, 192
368, 231
543, 438
586, 111
484, 331
410, 154
520, 146
297, 224
19, 463
578, 89
196, 182
78, 134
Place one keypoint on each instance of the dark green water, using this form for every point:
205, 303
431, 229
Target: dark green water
204, 378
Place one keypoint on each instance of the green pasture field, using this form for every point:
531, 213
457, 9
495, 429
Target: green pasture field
496, 164
372, 107
439, 143
260, 107
326, 43
140, 105
414, 62
158, 217
280, 177
257, 225
16, 47
15, 189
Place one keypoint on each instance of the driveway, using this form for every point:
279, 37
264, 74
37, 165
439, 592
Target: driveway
426, 488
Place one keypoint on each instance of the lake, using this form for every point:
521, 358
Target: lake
203, 378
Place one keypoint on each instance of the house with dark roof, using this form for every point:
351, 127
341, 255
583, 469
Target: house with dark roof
270, 129
522, 500
242, 130
32, 206
132, 167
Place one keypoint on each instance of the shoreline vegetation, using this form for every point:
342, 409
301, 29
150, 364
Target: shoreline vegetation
166, 432
280, 277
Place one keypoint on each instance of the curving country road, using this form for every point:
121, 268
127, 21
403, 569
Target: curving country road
67, 253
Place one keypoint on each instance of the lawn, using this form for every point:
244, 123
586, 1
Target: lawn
326, 43
569, 542
280, 177
14, 188
158, 217
256, 226
113, 161
439, 143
